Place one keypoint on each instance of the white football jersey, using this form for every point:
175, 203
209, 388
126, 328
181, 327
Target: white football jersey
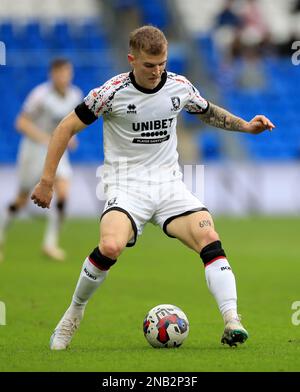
46, 107
140, 124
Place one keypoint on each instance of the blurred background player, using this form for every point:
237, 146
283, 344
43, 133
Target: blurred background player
43, 109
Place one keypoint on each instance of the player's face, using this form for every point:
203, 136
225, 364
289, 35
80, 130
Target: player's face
62, 77
147, 68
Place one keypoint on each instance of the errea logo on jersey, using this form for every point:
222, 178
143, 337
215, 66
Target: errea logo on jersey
131, 109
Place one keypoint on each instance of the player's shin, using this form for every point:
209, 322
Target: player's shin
55, 220
5, 220
94, 271
220, 279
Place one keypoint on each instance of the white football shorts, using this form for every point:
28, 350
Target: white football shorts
158, 204
31, 159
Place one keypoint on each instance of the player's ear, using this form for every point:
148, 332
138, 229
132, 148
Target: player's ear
130, 58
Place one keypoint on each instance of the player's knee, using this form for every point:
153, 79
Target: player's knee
13, 208
18, 204
111, 248
100, 260
204, 238
208, 237
61, 206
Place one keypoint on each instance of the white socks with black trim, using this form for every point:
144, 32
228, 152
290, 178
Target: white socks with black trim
89, 280
221, 283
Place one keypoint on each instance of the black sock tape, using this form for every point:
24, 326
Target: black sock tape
60, 205
12, 208
212, 251
102, 262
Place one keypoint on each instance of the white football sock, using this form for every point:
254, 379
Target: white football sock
221, 283
5, 219
90, 279
55, 220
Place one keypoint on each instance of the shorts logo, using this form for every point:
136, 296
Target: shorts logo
131, 109
175, 103
112, 202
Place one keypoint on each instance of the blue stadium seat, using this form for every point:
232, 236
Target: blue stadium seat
209, 145
280, 101
177, 58
7, 34
84, 44
154, 12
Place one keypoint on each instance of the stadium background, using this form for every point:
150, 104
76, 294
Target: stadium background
244, 175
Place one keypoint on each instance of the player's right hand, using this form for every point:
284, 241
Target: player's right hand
42, 194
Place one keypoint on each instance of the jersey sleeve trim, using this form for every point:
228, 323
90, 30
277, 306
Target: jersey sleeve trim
85, 114
203, 111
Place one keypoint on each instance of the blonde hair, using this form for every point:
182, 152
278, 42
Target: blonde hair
148, 39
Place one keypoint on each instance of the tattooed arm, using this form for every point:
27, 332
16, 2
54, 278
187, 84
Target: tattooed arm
221, 118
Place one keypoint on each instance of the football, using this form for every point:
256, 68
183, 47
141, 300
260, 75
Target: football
166, 326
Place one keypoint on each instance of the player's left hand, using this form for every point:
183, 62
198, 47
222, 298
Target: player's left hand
259, 124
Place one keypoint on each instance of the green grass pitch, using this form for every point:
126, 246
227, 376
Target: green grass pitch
264, 254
